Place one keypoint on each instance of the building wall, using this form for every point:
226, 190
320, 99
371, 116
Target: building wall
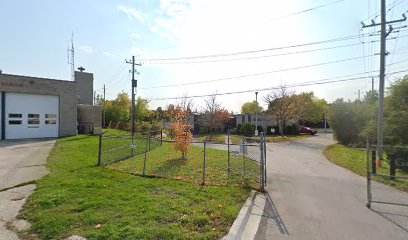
264, 120
66, 90
85, 87
90, 117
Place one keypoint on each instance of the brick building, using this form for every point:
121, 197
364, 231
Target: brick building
32, 107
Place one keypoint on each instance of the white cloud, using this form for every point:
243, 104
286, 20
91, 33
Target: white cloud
132, 13
109, 54
86, 48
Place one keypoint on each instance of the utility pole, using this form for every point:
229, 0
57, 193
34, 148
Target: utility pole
383, 52
372, 84
358, 94
134, 85
256, 114
103, 106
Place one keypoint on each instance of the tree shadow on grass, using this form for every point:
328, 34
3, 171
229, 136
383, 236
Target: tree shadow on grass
169, 168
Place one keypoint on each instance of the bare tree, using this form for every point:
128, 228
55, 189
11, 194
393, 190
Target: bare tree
284, 106
211, 108
186, 104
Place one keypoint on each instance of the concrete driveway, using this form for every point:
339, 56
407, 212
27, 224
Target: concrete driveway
21, 162
310, 198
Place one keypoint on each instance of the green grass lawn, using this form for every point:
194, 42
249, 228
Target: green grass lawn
275, 139
166, 162
355, 160
97, 203
216, 137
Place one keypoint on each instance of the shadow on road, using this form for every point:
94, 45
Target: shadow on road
270, 214
398, 219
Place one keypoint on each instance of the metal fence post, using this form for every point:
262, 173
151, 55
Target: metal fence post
265, 174
148, 135
145, 155
373, 161
100, 150
161, 137
261, 165
243, 156
369, 196
228, 154
204, 163
132, 146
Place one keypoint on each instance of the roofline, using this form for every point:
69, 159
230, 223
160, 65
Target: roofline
38, 78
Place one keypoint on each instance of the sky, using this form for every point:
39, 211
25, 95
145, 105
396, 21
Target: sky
35, 36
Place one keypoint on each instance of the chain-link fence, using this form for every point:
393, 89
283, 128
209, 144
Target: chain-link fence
387, 180
206, 163
122, 145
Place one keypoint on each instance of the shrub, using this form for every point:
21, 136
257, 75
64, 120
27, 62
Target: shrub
292, 130
247, 130
239, 128
398, 158
181, 129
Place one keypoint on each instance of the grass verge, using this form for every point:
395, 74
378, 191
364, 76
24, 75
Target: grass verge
94, 202
355, 160
166, 162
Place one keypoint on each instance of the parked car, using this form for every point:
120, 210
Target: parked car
307, 130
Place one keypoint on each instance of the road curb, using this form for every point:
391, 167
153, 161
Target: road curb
247, 222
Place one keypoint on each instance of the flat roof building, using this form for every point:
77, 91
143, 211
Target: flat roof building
32, 107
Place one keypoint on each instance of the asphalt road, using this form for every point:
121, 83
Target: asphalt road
21, 162
311, 198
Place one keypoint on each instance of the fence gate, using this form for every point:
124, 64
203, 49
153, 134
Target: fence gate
393, 171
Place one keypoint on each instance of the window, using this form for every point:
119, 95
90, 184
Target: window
50, 115
15, 122
33, 115
243, 118
249, 118
15, 115
50, 122
34, 121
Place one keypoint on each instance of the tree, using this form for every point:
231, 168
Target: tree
311, 108
370, 97
118, 110
210, 109
141, 109
251, 108
181, 129
283, 105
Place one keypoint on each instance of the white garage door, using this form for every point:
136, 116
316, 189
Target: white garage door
31, 116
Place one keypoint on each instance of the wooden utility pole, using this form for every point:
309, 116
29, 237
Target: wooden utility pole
134, 85
383, 52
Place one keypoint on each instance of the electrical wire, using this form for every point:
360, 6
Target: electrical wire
318, 82
306, 10
254, 74
253, 51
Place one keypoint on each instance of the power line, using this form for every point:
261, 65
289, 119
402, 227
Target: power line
148, 61
257, 57
318, 82
256, 74
306, 10
120, 69
254, 51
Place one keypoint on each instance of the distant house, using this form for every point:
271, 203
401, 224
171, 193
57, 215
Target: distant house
264, 120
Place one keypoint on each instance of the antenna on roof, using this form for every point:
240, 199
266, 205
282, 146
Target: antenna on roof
71, 57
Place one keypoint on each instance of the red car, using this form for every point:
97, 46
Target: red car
307, 130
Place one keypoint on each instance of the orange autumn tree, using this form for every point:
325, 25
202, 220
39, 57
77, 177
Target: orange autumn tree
181, 129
